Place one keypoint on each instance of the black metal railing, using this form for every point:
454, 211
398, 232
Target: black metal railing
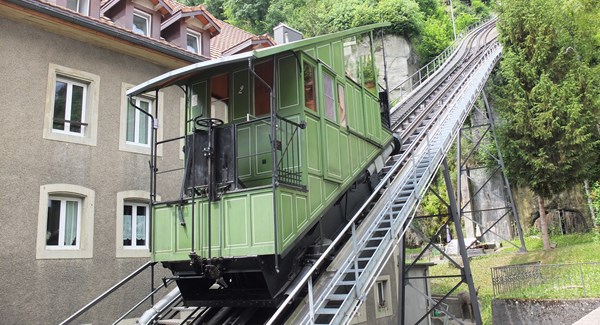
289, 169
287, 146
545, 281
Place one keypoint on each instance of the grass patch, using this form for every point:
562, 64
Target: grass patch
573, 248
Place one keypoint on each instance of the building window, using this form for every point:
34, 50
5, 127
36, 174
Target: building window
381, 294
135, 225
65, 222
138, 123
81, 6
141, 23
71, 106
383, 297
64, 219
309, 87
329, 97
135, 127
193, 42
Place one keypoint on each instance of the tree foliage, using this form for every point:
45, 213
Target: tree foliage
548, 96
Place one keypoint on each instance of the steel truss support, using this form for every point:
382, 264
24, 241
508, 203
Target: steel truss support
463, 265
480, 139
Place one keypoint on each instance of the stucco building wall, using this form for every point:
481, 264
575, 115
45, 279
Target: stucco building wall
46, 291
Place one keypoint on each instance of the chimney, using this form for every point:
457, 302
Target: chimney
283, 33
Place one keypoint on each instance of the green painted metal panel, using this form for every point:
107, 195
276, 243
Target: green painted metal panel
363, 151
301, 211
345, 158
330, 189
241, 94
315, 193
313, 145
261, 205
368, 115
355, 158
358, 111
244, 149
264, 157
183, 234
332, 152
338, 58
163, 232
203, 227
236, 215
286, 215
311, 52
289, 89
324, 54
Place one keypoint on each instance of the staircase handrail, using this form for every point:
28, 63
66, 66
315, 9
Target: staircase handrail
107, 293
438, 61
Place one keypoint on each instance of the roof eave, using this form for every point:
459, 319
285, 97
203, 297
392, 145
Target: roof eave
106, 29
171, 77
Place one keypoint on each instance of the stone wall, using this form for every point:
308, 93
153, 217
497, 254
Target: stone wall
542, 312
401, 61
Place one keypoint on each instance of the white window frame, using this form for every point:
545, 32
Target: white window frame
134, 215
137, 121
83, 7
68, 106
128, 197
198, 37
127, 146
61, 228
85, 232
147, 17
88, 136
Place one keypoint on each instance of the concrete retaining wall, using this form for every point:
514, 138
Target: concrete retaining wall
542, 312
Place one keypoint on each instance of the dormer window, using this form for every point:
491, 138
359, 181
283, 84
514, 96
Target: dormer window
81, 6
141, 22
193, 42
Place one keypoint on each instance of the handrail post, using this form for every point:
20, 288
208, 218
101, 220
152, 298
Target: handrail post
355, 253
311, 303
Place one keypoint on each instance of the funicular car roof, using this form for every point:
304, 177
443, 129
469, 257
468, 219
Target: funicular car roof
173, 77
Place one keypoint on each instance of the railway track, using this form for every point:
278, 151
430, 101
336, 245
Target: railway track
413, 119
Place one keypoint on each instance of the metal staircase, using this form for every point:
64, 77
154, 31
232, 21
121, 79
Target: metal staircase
337, 295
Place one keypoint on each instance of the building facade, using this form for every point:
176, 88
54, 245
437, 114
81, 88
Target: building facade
75, 188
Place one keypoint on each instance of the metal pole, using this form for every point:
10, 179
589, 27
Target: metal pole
452, 15
274, 174
467, 276
401, 280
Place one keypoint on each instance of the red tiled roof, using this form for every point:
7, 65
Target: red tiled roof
232, 36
